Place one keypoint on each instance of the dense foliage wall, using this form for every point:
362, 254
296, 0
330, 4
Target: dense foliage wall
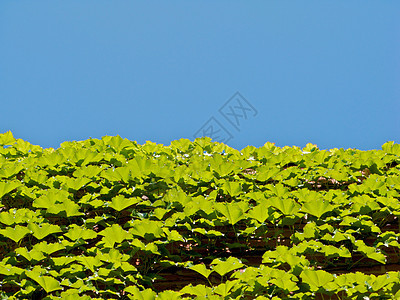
110, 219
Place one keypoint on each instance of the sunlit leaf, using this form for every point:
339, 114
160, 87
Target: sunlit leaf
16, 234
224, 267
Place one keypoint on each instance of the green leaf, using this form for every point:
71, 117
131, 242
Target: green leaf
232, 188
317, 208
10, 170
285, 283
88, 171
48, 248
30, 255
146, 294
16, 234
316, 279
370, 252
43, 229
9, 218
169, 295
140, 166
74, 184
119, 202
117, 174
114, 234
234, 212
330, 250
147, 229
76, 232
62, 261
69, 207
173, 235
219, 164
7, 138
201, 268
199, 290
279, 190
224, 267
49, 284
266, 172
286, 205
10, 270
89, 262
224, 289
260, 212
50, 197
6, 187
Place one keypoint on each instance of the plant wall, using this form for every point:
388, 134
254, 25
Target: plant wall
111, 219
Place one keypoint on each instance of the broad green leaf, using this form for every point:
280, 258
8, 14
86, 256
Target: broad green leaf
10, 218
271, 255
224, 267
117, 174
279, 190
285, 283
30, 255
260, 212
50, 198
381, 281
370, 252
10, 170
69, 207
151, 247
16, 234
74, 184
330, 250
62, 261
234, 212
88, 171
76, 232
49, 284
336, 237
7, 138
119, 202
266, 172
48, 248
232, 188
89, 262
201, 268
73, 294
169, 295
140, 166
10, 270
43, 229
6, 187
83, 157
316, 279
317, 208
36, 177
74, 268
219, 164
114, 256
173, 235
286, 205
114, 234
127, 267
199, 290
224, 289
146, 294
146, 228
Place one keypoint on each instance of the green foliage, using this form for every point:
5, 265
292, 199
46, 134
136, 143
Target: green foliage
107, 218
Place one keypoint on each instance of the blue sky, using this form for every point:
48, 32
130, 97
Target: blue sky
306, 71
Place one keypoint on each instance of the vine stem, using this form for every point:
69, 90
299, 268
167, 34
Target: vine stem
356, 262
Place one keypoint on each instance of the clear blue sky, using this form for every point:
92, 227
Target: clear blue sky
313, 71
